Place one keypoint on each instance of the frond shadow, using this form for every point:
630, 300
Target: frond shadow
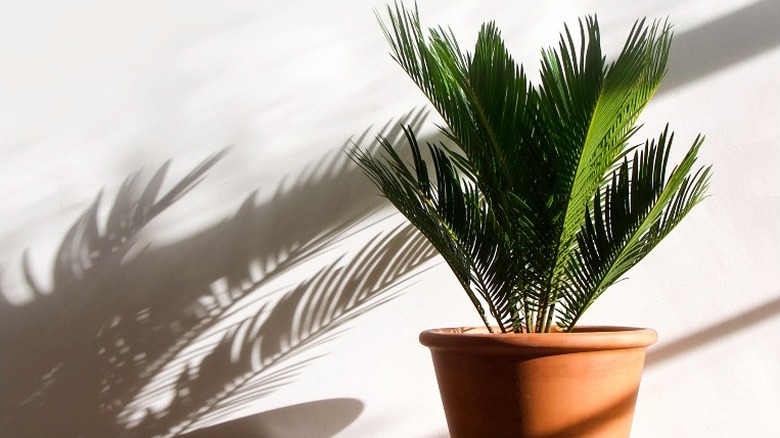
118, 315
262, 352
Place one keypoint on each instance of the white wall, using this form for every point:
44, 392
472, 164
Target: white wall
93, 91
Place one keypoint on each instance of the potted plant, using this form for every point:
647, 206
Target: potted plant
539, 201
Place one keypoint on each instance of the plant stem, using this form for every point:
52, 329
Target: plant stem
550, 314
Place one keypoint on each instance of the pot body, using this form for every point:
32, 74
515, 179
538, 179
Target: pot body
539, 385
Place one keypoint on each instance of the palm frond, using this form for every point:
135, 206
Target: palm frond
449, 210
638, 208
485, 98
519, 200
590, 109
412, 192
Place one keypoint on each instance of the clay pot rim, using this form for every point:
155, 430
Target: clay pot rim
583, 338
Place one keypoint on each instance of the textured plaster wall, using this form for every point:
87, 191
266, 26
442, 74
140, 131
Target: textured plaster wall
93, 91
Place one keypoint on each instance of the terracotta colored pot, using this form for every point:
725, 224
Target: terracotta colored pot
539, 385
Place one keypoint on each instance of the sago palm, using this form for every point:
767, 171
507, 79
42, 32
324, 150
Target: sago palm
541, 199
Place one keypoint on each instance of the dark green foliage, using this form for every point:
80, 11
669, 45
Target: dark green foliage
544, 201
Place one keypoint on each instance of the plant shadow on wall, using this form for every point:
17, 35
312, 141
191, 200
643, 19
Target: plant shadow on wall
162, 341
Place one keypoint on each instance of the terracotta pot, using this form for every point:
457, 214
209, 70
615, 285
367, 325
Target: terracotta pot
539, 385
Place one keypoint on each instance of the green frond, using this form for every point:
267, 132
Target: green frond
594, 106
485, 98
425, 207
541, 201
449, 210
636, 210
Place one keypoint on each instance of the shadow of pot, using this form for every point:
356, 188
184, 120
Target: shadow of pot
539, 385
317, 419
